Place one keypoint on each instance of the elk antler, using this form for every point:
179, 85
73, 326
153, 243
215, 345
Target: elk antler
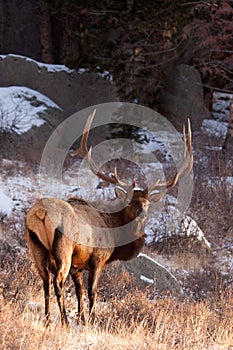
113, 180
185, 168
83, 151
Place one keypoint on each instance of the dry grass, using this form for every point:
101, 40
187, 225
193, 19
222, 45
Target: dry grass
129, 319
128, 316
132, 323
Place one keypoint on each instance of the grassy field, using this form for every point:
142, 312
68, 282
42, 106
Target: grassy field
127, 317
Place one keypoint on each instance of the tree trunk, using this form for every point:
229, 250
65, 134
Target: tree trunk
45, 33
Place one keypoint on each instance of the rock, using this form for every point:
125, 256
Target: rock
68, 88
182, 97
148, 270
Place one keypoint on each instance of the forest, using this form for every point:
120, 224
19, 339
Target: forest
140, 42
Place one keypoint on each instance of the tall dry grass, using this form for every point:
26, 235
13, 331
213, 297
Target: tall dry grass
126, 319
133, 323
128, 316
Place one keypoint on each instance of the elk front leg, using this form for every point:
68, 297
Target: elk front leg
93, 279
77, 276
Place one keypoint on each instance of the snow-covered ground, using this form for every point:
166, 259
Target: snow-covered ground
17, 189
214, 128
217, 126
5, 203
20, 108
171, 222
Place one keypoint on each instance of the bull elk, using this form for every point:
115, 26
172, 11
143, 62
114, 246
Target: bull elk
67, 237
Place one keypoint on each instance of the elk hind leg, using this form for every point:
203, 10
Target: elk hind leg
41, 256
47, 299
58, 282
62, 252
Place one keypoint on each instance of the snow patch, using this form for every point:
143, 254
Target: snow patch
214, 128
5, 203
82, 70
49, 67
172, 222
217, 126
147, 280
20, 108
221, 105
105, 75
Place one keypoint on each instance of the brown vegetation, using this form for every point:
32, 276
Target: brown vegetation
134, 317
133, 321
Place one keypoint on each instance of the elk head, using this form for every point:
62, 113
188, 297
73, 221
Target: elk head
137, 200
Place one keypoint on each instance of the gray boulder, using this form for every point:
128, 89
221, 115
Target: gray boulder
182, 97
148, 270
69, 89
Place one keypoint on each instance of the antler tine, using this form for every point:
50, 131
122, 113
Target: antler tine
188, 156
83, 144
114, 180
186, 165
119, 182
189, 137
82, 150
96, 171
184, 140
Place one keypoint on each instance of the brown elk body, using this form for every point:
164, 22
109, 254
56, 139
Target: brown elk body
69, 237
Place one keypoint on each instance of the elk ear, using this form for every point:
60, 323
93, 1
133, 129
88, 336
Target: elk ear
120, 193
155, 197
